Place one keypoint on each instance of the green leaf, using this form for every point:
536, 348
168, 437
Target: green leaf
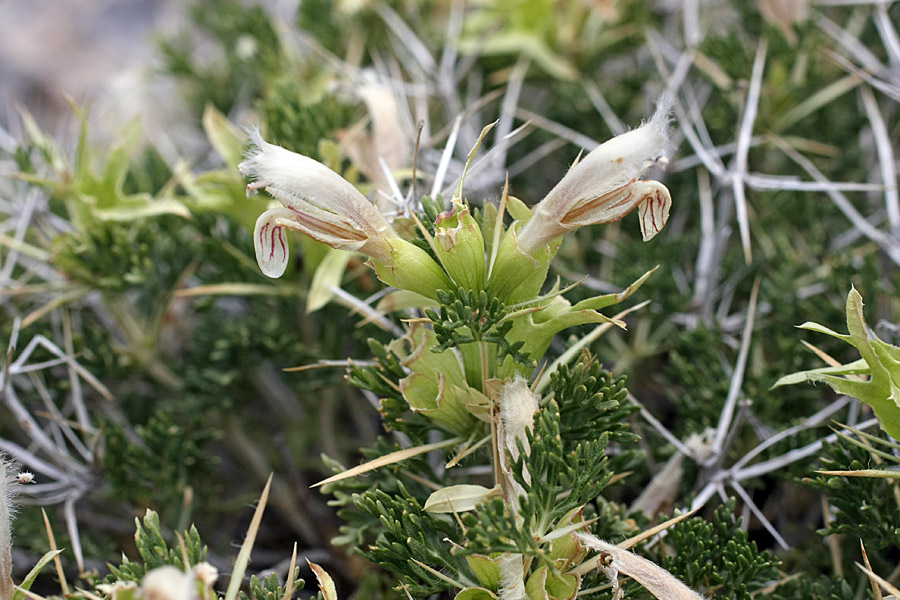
141, 206
822, 329
599, 302
119, 161
457, 498
857, 367
34, 572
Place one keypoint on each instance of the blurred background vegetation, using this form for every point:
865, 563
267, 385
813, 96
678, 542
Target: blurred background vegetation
149, 349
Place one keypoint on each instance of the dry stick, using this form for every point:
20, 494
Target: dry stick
737, 378
609, 117
885, 159
888, 89
888, 587
508, 106
887, 243
706, 252
813, 421
74, 536
24, 219
446, 155
748, 501
695, 112
888, 34
743, 147
778, 182
710, 161
765, 467
76, 394
859, 51
555, 128
536, 155
408, 38
692, 23
654, 422
488, 157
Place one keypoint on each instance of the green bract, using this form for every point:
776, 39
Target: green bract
880, 361
460, 246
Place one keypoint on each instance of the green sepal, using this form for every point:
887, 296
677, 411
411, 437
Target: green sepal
412, 269
432, 396
459, 244
517, 276
486, 570
543, 585
476, 593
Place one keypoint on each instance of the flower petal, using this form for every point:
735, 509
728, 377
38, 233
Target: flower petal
270, 242
654, 207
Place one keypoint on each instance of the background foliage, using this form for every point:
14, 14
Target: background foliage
157, 371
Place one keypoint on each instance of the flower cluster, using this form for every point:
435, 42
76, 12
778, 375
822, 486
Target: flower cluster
465, 368
603, 187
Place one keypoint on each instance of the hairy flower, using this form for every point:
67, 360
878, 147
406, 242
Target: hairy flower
604, 187
168, 583
326, 207
316, 201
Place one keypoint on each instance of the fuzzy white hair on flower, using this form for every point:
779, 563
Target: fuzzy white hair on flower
517, 407
655, 579
605, 186
315, 201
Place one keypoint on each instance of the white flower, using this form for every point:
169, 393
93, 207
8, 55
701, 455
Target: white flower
168, 583
316, 201
206, 573
605, 186
25, 477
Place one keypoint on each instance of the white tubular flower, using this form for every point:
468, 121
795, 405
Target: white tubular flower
605, 186
316, 201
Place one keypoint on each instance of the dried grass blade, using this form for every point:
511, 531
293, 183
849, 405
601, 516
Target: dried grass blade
886, 585
877, 473
237, 289
633, 541
389, 459
876, 590
243, 557
51, 539
289, 586
326, 583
